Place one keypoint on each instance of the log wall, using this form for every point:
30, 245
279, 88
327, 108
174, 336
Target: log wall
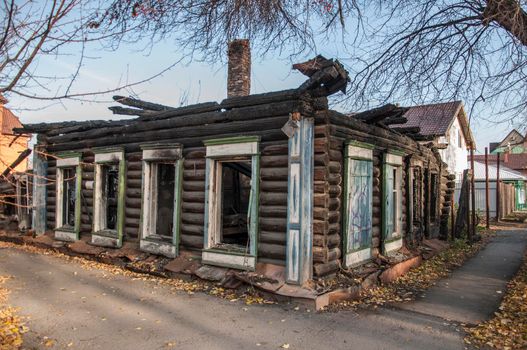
264, 120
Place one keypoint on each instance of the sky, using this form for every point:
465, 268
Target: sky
188, 82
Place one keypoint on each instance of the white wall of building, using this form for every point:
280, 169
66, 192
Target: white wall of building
456, 154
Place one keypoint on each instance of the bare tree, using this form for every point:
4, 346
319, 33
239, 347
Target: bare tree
32, 30
399, 50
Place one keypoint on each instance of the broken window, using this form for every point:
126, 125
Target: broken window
433, 196
162, 170
392, 222
67, 214
108, 208
166, 174
417, 181
69, 197
109, 195
231, 202
235, 190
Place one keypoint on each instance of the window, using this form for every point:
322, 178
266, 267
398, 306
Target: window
459, 139
358, 205
434, 189
231, 202
108, 205
162, 174
68, 206
417, 181
392, 207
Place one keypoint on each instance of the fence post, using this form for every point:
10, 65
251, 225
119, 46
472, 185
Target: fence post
472, 233
487, 205
498, 189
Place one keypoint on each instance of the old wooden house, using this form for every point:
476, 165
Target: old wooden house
268, 178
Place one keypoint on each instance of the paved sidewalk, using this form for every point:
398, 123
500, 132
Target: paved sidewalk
473, 292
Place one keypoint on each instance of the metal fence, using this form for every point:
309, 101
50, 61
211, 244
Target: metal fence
507, 198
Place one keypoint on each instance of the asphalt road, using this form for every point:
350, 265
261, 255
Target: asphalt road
71, 307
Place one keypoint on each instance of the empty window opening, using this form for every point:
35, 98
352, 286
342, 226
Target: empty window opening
235, 192
395, 200
416, 192
68, 196
165, 192
433, 196
110, 192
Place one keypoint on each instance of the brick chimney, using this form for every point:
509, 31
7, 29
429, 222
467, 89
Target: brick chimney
239, 71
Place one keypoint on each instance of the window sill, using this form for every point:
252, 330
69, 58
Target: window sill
66, 234
106, 238
224, 258
358, 257
158, 247
393, 245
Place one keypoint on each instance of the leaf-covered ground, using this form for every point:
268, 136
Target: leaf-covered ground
11, 326
508, 329
248, 296
419, 279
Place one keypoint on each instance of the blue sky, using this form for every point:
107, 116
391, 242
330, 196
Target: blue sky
189, 82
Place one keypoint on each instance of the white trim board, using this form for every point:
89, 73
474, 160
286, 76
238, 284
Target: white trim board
243, 262
68, 162
65, 236
357, 257
233, 149
110, 157
393, 245
394, 159
360, 152
158, 248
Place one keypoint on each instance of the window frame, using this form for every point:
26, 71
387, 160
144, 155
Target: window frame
67, 161
218, 150
152, 156
101, 235
392, 241
356, 151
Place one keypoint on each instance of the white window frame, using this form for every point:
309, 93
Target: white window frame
64, 161
217, 151
394, 159
153, 154
101, 235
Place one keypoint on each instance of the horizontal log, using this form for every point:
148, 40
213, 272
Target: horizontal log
187, 207
273, 224
322, 269
269, 198
191, 241
279, 238
276, 251
273, 211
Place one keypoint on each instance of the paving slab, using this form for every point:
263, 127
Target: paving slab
474, 291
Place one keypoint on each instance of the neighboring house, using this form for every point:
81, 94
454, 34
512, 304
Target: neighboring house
446, 125
274, 178
11, 145
513, 143
514, 184
512, 151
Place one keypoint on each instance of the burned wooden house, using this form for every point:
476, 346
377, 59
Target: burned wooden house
268, 178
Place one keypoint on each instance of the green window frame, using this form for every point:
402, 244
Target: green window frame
101, 235
358, 203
